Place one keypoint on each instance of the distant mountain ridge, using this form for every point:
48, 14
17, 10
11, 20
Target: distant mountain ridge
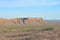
53, 22
18, 21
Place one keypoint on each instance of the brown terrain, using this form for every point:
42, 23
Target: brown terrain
40, 34
18, 21
46, 34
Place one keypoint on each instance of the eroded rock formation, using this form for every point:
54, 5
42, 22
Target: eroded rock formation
18, 21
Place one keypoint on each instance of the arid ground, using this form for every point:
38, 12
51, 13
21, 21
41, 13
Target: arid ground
50, 31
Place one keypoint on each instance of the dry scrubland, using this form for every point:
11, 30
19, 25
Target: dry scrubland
28, 30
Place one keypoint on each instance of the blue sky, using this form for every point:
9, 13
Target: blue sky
47, 9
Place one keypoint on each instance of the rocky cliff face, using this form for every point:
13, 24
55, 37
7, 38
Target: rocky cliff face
18, 21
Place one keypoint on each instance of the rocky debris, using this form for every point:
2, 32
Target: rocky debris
18, 21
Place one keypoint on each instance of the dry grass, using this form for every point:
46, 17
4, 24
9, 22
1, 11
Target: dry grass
17, 32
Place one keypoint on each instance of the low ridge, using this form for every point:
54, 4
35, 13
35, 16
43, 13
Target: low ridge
18, 21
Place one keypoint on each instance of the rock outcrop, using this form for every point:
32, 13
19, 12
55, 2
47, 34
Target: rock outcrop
18, 21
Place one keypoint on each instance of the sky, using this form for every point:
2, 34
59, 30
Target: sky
47, 9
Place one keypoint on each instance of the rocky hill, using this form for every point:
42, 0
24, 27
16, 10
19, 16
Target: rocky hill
18, 21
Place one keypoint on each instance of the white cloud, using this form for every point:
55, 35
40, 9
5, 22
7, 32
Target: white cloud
23, 3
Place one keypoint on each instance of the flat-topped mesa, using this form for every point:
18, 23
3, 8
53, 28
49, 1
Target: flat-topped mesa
4, 21
18, 21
